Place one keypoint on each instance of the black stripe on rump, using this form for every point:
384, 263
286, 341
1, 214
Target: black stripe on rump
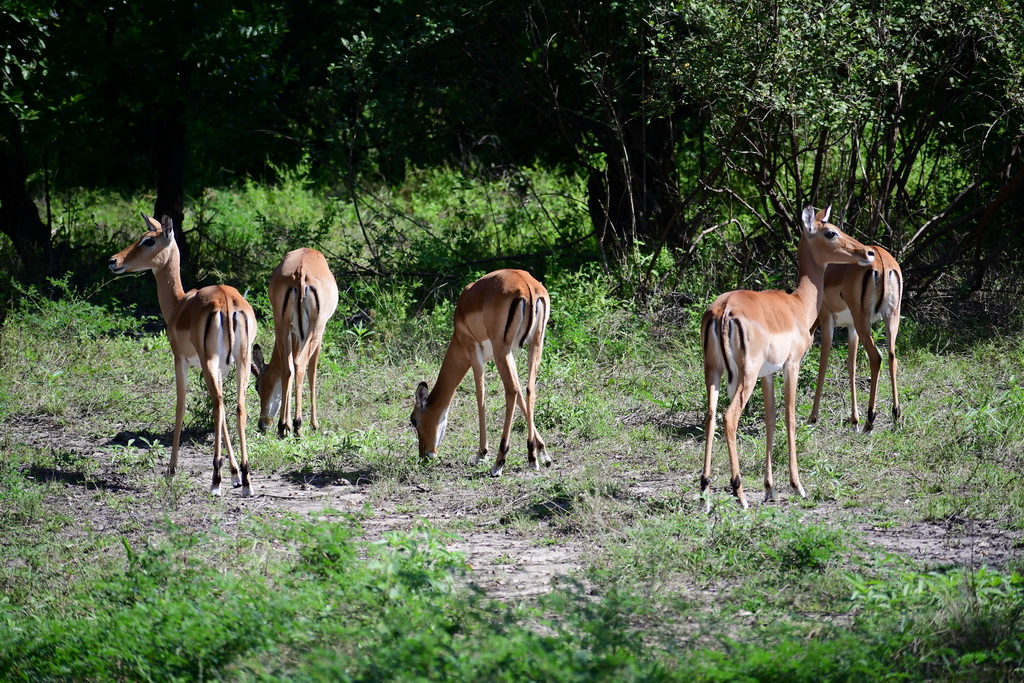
743, 337
868, 278
206, 336
518, 301
529, 323
723, 332
284, 304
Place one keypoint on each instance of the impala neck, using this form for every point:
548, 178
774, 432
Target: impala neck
810, 289
453, 369
168, 284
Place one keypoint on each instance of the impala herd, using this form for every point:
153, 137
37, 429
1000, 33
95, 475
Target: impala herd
745, 335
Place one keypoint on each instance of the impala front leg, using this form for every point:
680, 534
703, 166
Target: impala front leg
768, 390
789, 389
180, 385
478, 383
827, 329
284, 420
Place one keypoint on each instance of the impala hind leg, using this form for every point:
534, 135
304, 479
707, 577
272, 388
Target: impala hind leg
300, 378
314, 358
535, 448
211, 374
712, 380
243, 382
892, 327
284, 420
851, 370
875, 359
513, 394
730, 424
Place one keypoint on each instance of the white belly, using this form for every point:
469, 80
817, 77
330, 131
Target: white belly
843, 318
484, 351
769, 368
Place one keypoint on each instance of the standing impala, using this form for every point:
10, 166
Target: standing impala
304, 295
748, 334
212, 327
856, 297
495, 316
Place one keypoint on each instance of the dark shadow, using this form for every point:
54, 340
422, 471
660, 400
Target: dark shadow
73, 478
146, 438
545, 510
308, 477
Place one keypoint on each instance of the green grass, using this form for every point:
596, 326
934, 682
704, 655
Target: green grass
109, 571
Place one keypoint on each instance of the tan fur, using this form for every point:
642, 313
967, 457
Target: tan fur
302, 282
747, 334
212, 327
494, 317
861, 296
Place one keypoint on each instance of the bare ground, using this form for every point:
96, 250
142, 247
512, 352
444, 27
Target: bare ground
505, 563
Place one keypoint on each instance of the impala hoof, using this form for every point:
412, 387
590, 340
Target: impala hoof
496, 471
215, 491
535, 466
246, 492
769, 494
800, 490
236, 481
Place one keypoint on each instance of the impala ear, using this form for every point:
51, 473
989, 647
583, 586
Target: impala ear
151, 223
257, 361
422, 392
168, 225
828, 212
808, 218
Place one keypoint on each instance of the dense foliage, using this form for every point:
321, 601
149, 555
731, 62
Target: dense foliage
678, 121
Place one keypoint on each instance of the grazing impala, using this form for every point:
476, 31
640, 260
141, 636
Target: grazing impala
304, 295
212, 327
495, 316
856, 297
747, 335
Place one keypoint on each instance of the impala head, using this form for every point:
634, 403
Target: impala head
428, 425
151, 252
268, 386
829, 244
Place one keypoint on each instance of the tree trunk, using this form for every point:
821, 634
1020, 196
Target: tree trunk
635, 197
19, 217
170, 182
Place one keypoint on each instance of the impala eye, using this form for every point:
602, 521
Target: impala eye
830, 234
148, 242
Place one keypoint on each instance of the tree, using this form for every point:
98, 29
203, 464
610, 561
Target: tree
22, 33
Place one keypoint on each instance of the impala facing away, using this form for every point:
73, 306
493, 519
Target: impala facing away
747, 335
855, 298
304, 295
212, 327
495, 316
